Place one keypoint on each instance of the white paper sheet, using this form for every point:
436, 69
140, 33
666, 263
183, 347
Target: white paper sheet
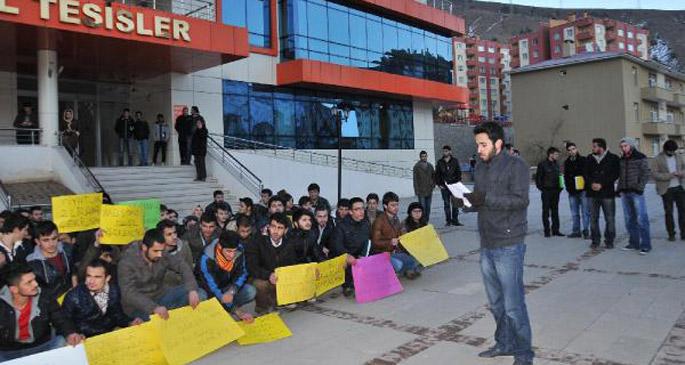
458, 190
61, 356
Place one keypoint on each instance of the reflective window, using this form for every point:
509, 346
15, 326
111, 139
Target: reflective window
325, 31
304, 119
253, 14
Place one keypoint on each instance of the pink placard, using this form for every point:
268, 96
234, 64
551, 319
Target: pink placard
374, 278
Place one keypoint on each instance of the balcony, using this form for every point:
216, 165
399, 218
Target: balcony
679, 100
201, 9
610, 36
473, 84
514, 51
657, 94
472, 62
610, 24
649, 127
584, 22
587, 34
472, 73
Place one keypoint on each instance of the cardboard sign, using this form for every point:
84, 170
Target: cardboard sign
74, 213
131, 345
121, 224
331, 274
151, 210
295, 283
425, 245
375, 278
264, 329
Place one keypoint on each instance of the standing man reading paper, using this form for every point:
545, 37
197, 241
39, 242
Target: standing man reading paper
500, 196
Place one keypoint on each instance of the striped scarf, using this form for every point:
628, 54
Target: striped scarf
221, 260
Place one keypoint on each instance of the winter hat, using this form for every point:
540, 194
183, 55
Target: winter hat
630, 141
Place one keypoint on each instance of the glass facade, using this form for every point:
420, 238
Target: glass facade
326, 31
253, 14
303, 119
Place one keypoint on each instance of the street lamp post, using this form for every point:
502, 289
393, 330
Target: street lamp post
340, 111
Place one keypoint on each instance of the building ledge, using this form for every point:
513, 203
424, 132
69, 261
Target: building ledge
420, 14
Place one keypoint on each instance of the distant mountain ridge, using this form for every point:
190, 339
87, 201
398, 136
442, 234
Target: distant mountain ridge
501, 21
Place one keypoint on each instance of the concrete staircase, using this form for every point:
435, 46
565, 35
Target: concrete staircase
174, 186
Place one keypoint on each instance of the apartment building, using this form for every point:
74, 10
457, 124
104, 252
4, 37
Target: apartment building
530, 48
601, 94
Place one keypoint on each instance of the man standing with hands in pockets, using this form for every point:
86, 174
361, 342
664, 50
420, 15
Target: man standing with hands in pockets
500, 197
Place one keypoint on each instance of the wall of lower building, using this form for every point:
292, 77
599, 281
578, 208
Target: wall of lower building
594, 95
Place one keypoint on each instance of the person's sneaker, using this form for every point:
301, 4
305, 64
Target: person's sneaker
457, 223
494, 352
574, 235
629, 248
671, 238
644, 252
559, 234
547, 234
609, 245
586, 235
594, 246
447, 224
348, 292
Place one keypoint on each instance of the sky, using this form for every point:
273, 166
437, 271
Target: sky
608, 4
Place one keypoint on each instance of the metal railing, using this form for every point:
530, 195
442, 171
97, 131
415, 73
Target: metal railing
444, 5
85, 171
5, 197
311, 157
201, 9
234, 166
20, 136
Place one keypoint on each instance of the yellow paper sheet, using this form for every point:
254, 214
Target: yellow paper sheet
136, 345
191, 334
331, 274
425, 245
60, 299
580, 183
121, 224
264, 329
295, 283
73, 213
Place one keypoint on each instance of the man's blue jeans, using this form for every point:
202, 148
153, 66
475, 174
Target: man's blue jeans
143, 146
426, 202
502, 270
245, 295
637, 220
403, 262
579, 208
175, 297
55, 343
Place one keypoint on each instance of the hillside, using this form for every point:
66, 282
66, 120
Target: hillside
501, 21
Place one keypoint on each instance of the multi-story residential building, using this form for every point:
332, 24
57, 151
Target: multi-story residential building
560, 38
601, 94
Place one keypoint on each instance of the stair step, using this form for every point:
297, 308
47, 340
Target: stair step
141, 169
159, 188
162, 184
146, 175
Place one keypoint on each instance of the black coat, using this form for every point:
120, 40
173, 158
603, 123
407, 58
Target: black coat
352, 237
263, 258
51, 315
447, 172
47, 275
605, 173
184, 126
327, 236
141, 130
547, 175
198, 145
572, 168
305, 246
124, 127
89, 320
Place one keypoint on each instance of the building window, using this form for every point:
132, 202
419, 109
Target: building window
557, 49
482, 80
557, 36
631, 48
635, 75
568, 33
621, 45
669, 84
461, 80
460, 58
524, 56
535, 41
536, 54
630, 35
493, 70
491, 50
481, 48
652, 79
482, 70
461, 68
493, 82
621, 33
253, 14
491, 61
303, 119
636, 109
326, 31
481, 59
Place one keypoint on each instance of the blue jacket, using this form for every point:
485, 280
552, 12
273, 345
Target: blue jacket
89, 320
217, 281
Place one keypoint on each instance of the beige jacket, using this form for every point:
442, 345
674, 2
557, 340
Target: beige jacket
661, 174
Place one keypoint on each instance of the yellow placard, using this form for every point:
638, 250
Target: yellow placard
121, 224
60, 299
331, 274
190, 334
295, 283
132, 345
580, 183
74, 213
425, 245
264, 329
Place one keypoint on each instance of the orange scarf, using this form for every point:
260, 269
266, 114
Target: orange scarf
221, 260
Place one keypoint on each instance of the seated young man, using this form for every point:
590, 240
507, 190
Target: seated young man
95, 305
176, 248
276, 205
52, 264
372, 207
352, 236
201, 235
342, 210
245, 229
303, 238
264, 255
223, 217
222, 271
323, 230
142, 269
28, 318
12, 232
386, 230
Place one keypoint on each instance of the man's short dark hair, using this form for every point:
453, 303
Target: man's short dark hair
160, 115
126, 110
14, 271
166, 223
280, 218
373, 196
356, 200
207, 218
195, 109
273, 199
243, 221
321, 208
34, 208
96, 263
14, 221
344, 203
303, 200
447, 147
570, 144
314, 186
163, 208
229, 239
390, 197
423, 153
552, 150
153, 236
601, 142
247, 201
171, 211
223, 206
217, 192
670, 146
5, 214
286, 197
267, 191
493, 130
302, 212
138, 112
44, 228
508, 146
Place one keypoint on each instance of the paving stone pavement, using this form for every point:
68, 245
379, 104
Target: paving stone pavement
602, 307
